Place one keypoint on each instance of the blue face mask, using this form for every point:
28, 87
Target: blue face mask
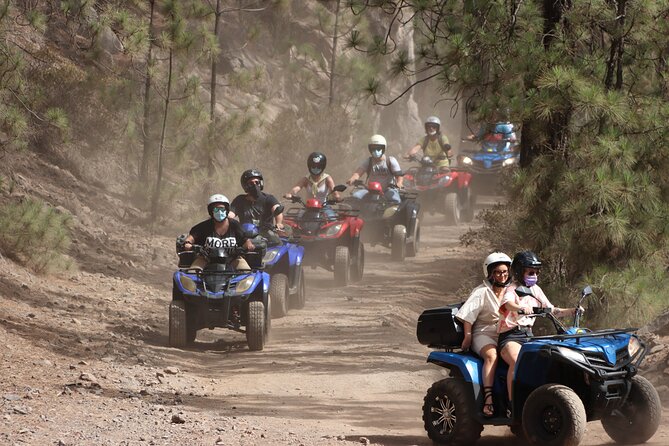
315, 170
220, 214
377, 153
531, 280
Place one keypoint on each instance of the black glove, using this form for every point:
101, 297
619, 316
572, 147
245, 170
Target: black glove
181, 241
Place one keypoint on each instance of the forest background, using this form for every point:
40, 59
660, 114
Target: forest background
163, 102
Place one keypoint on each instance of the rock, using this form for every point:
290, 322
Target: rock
385, 323
11, 397
21, 410
171, 370
88, 377
178, 419
32, 315
364, 440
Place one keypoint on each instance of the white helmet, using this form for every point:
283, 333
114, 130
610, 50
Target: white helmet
493, 259
434, 121
377, 142
217, 198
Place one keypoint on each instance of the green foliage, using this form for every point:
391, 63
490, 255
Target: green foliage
36, 235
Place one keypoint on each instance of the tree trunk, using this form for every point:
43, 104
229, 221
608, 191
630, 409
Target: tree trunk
333, 59
146, 122
159, 178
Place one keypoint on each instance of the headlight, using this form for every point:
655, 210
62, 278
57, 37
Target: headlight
270, 256
444, 180
572, 354
331, 231
633, 346
244, 284
467, 161
509, 162
187, 283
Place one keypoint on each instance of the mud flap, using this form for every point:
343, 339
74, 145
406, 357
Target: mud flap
412, 210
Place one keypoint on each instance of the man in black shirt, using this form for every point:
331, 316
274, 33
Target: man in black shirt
219, 231
256, 206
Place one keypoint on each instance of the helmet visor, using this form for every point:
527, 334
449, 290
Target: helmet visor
375, 147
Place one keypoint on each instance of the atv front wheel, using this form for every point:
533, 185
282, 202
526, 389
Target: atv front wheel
468, 205
554, 415
449, 413
358, 263
398, 248
638, 418
256, 331
342, 265
278, 291
414, 246
452, 209
300, 299
178, 330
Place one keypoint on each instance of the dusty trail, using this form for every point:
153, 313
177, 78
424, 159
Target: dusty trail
86, 361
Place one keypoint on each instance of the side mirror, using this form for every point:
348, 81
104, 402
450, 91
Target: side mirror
339, 188
524, 291
279, 209
586, 291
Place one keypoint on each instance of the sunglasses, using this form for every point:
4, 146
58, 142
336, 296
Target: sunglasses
220, 208
500, 272
532, 272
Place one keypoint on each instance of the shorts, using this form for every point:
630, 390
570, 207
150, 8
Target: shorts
519, 335
481, 339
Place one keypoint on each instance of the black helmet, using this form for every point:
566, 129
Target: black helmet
524, 259
247, 175
316, 163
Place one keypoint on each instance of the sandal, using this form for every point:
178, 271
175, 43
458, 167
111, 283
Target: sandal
488, 407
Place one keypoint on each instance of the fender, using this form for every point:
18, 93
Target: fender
464, 178
295, 255
412, 209
355, 226
466, 365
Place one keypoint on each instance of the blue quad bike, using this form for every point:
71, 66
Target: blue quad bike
283, 262
561, 382
220, 296
488, 160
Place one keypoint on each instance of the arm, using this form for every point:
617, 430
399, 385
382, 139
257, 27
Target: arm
278, 219
298, 186
356, 175
467, 341
330, 184
562, 312
412, 151
248, 245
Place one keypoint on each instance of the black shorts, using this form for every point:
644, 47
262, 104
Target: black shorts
520, 335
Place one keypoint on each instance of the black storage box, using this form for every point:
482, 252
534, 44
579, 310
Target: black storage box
438, 327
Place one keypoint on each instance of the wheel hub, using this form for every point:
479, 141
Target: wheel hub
446, 419
552, 420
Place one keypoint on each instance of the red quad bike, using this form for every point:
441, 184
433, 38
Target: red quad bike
447, 192
331, 237
395, 226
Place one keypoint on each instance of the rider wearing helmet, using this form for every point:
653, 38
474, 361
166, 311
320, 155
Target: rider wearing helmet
381, 168
218, 231
515, 327
434, 144
480, 316
317, 183
256, 206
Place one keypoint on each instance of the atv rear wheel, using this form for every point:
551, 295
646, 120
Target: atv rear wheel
638, 418
449, 413
398, 248
414, 246
358, 263
300, 298
256, 331
452, 209
342, 265
554, 415
278, 291
178, 329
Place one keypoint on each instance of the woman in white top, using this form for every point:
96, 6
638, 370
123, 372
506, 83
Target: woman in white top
318, 184
480, 316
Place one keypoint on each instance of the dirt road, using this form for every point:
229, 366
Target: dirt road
85, 360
